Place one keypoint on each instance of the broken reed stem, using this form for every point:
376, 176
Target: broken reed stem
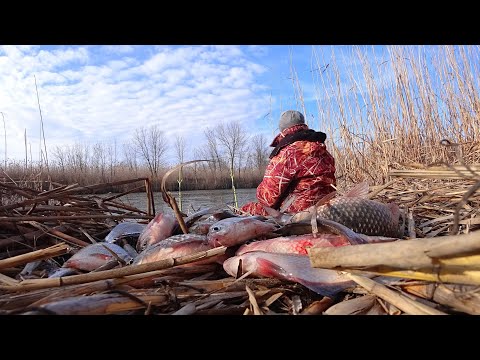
459, 297
52, 251
460, 204
425, 253
458, 275
114, 273
68, 238
402, 302
170, 200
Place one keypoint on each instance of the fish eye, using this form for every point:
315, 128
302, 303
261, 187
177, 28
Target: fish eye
216, 228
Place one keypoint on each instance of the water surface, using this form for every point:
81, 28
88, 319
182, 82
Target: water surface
192, 200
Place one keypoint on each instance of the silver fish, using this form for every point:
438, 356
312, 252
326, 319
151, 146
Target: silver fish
63, 271
237, 230
159, 228
124, 230
175, 246
93, 256
299, 244
202, 223
290, 267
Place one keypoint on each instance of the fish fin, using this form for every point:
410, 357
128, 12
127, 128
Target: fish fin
337, 228
270, 269
359, 190
272, 212
395, 209
286, 204
325, 289
324, 200
278, 216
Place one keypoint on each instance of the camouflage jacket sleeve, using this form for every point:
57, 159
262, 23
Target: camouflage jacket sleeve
279, 174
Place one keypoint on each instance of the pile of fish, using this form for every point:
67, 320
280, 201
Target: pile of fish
274, 246
415, 249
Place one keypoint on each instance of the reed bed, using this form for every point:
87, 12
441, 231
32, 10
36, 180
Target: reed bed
32, 219
440, 219
406, 120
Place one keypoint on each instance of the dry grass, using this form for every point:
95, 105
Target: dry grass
386, 128
397, 108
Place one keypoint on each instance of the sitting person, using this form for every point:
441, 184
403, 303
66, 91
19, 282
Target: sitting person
300, 172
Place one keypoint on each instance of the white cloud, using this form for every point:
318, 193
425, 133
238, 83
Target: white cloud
90, 99
258, 50
118, 49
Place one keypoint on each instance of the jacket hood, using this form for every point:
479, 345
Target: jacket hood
288, 131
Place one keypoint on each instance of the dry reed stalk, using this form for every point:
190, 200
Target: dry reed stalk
434, 174
229, 284
42, 296
65, 237
214, 299
170, 200
30, 236
52, 251
114, 273
7, 280
411, 225
454, 275
356, 306
103, 304
188, 309
402, 302
70, 217
230, 310
461, 298
70, 291
318, 307
415, 254
253, 302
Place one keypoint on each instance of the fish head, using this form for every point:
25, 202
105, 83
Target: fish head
95, 255
220, 232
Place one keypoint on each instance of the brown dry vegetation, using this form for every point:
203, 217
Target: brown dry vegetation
391, 111
398, 108
389, 134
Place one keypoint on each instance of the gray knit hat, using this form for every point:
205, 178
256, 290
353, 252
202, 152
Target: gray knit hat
290, 118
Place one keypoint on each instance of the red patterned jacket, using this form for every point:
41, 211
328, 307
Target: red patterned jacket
300, 174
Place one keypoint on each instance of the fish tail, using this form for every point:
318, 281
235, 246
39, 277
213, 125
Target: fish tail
352, 237
324, 289
359, 190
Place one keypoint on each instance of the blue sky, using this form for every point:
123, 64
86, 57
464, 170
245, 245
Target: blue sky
90, 94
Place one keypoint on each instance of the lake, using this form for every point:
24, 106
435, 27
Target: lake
192, 200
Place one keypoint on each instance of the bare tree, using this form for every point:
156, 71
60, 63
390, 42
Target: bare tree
242, 156
130, 157
197, 154
180, 154
99, 159
151, 146
260, 152
60, 157
212, 152
112, 151
232, 138
77, 160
